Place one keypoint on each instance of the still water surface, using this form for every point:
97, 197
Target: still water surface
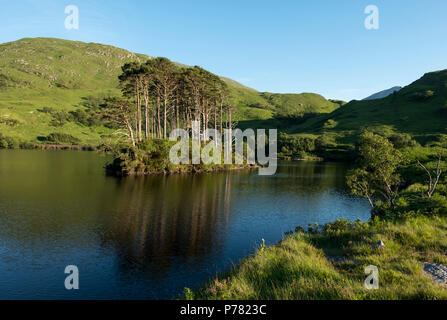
147, 237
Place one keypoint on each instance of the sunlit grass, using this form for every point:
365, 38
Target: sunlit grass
298, 268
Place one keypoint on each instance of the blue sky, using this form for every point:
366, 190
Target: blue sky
278, 46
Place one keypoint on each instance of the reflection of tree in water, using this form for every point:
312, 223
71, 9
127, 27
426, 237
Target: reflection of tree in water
166, 222
162, 220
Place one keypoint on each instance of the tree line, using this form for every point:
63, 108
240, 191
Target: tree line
159, 96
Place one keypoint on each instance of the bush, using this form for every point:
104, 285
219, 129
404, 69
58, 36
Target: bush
321, 143
295, 145
440, 140
10, 122
28, 145
46, 110
59, 118
402, 140
81, 117
155, 154
423, 95
7, 142
436, 205
330, 124
62, 138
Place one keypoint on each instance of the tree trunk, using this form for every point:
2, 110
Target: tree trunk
129, 127
371, 203
146, 115
215, 123
164, 118
177, 113
158, 117
139, 112
221, 118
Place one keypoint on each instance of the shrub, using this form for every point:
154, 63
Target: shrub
10, 122
295, 145
62, 138
440, 141
422, 95
7, 142
28, 145
46, 110
188, 293
59, 118
81, 117
330, 124
321, 143
402, 140
436, 205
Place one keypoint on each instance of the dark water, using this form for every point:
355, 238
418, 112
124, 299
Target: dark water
146, 237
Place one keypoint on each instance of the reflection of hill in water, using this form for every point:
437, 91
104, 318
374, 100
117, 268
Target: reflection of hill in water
160, 220
306, 177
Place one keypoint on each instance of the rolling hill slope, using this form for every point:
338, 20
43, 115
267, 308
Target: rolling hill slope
39, 73
419, 109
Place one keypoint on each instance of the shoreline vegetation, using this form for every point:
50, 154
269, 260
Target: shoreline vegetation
152, 157
407, 191
330, 263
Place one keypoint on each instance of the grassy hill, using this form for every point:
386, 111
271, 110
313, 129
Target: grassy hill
300, 104
419, 109
38, 74
54, 73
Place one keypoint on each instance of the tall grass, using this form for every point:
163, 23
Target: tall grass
298, 267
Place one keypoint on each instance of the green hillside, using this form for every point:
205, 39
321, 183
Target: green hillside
52, 73
42, 74
300, 104
419, 109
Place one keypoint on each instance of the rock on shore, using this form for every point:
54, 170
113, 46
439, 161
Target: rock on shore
437, 271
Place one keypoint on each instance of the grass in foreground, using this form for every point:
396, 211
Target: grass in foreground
298, 268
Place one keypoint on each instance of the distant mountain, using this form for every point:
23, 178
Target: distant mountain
383, 94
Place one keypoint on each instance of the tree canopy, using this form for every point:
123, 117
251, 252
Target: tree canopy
163, 96
376, 176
